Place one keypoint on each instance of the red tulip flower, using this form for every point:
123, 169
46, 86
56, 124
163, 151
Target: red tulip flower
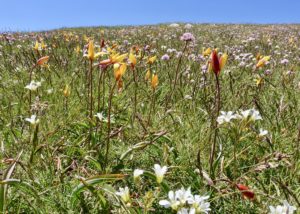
218, 63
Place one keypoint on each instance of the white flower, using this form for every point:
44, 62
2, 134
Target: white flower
172, 202
184, 211
192, 211
251, 114
174, 25
286, 208
32, 120
226, 117
183, 195
99, 116
160, 172
255, 115
33, 85
124, 194
188, 97
137, 173
102, 118
50, 91
245, 114
184, 202
188, 26
199, 204
262, 132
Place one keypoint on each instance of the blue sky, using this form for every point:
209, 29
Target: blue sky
24, 15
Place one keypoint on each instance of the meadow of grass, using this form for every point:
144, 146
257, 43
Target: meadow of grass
151, 119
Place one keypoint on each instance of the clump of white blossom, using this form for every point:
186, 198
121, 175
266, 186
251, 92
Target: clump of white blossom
286, 208
183, 201
250, 115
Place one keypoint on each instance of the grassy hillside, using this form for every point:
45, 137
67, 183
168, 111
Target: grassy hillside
82, 109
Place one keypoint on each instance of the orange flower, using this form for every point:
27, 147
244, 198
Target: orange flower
154, 81
43, 60
119, 70
246, 192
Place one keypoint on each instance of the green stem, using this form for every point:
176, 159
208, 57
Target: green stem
152, 106
215, 124
135, 95
108, 121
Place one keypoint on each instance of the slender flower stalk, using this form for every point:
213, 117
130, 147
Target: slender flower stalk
119, 70
109, 120
178, 68
91, 89
217, 64
40, 62
34, 129
66, 93
133, 62
91, 55
100, 77
154, 84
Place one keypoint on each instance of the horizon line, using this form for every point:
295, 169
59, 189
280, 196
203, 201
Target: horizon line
149, 24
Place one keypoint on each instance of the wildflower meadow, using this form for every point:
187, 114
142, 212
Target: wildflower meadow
171, 118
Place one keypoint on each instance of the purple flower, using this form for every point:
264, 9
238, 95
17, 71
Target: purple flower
165, 57
178, 54
268, 72
284, 61
204, 68
187, 37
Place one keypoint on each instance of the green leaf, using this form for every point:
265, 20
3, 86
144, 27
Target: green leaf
95, 180
3, 186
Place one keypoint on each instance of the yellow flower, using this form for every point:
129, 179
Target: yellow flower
206, 52
118, 58
67, 91
147, 76
258, 81
154, 81
36, 46
258, 57
113, 59
223, 60
151, 60
77, 49
132, 60
91, 51
43, 45
114, 46
85, 38
263, 61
